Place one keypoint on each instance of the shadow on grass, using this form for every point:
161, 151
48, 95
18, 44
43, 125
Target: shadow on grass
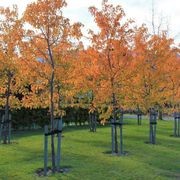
26, 133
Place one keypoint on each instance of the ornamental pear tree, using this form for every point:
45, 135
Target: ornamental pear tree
87, 72
10, 30
152, 56
50, 37
113, 59
113, 45
172, 81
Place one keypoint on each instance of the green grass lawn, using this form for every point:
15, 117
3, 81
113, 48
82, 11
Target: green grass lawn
86, 154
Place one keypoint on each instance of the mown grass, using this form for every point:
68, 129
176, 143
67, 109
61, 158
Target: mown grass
85, 154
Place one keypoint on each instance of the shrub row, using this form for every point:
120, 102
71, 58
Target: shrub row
26, 118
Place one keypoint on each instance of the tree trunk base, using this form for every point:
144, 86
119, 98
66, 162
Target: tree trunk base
40, 171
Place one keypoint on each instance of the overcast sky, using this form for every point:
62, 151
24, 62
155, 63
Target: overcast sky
139, 10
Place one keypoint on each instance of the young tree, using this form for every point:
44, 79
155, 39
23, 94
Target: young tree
152, 55
172, 105
112, 43
10, 29
87, 81
172, 80
49, 38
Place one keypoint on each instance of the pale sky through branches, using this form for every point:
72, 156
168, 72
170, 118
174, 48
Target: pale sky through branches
166, 11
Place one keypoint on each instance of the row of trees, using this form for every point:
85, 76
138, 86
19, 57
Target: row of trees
43, 63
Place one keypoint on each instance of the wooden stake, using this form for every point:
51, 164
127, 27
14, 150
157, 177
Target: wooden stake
45, 150
59, 145
9, 129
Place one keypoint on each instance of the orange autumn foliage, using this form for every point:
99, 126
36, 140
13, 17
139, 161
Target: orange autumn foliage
10, 38
153, 56
111, 48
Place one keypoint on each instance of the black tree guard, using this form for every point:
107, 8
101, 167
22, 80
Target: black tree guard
152, 123
5, 128
114, 140
177, 124
139, 116
92, 121
58, 132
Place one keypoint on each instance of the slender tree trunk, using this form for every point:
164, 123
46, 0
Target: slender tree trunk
114, 119
6, 116
160, 116
160, 113
153, 23
52, 104
92, 113
52, 119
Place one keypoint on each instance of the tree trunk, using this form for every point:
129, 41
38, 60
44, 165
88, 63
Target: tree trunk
6, 116
52, 119
114, 119
52, 104
160, 114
